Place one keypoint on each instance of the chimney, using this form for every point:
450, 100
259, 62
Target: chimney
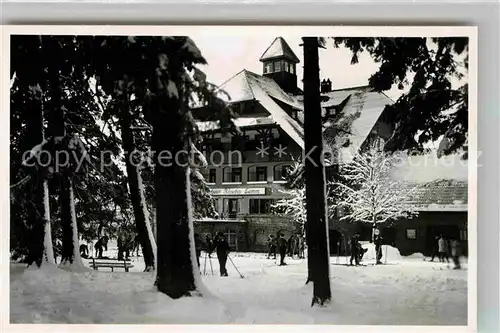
326, 86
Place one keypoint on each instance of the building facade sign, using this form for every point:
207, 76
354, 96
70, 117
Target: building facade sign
239, 191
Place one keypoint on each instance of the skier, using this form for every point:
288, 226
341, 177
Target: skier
197, 245
222, 249
377, 240
271, 244
282, 245
354, 249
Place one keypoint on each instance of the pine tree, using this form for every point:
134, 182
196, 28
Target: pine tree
432, 109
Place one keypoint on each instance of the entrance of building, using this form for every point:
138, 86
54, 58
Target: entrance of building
448, 231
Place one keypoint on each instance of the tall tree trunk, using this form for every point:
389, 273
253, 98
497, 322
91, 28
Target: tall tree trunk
48, 248
37, 216
56, 128
134, 182
317, 223
176, 261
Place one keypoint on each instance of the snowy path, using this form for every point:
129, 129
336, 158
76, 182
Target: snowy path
405, 291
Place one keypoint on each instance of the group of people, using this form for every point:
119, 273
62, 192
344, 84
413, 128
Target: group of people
219, 244
444, 248
292, 246
357, 251
127, 244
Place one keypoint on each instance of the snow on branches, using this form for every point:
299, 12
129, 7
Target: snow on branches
293, 205
367, 193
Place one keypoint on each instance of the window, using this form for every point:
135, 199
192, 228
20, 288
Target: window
268, 67
411, 234
257, 174
231, 208
260, 206
212, 176
277, 66
232, 175
292, 69
287, 67
281, 172
231, 238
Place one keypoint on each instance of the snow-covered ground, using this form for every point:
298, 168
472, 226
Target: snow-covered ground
404, 291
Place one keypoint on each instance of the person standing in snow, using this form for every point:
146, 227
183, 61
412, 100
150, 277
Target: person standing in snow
290, 244
57, 249
282, 246
455, 253
198, 246
435, 248
301, 247
271, 244
84, 251
209, 245
442, 248
101, 244
377, 240
222, 250
354, 249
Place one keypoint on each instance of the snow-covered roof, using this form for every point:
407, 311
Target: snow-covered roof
279, 49
362, 105
241, 87
246, 86
428, 167
440, 195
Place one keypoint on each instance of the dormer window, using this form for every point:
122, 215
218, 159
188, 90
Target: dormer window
268, 67
277, 66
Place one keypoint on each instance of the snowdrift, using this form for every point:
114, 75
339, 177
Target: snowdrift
388, 252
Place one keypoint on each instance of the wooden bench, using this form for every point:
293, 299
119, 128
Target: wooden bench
96, 263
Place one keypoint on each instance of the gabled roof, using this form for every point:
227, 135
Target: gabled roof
361, 107
241, 86
246, 86
279, 49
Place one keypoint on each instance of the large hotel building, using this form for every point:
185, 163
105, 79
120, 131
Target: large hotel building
247, 168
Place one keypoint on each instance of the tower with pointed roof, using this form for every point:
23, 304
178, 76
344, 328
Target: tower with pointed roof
280, 64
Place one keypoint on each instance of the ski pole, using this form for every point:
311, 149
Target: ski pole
205, 264
385, 261
231, 260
